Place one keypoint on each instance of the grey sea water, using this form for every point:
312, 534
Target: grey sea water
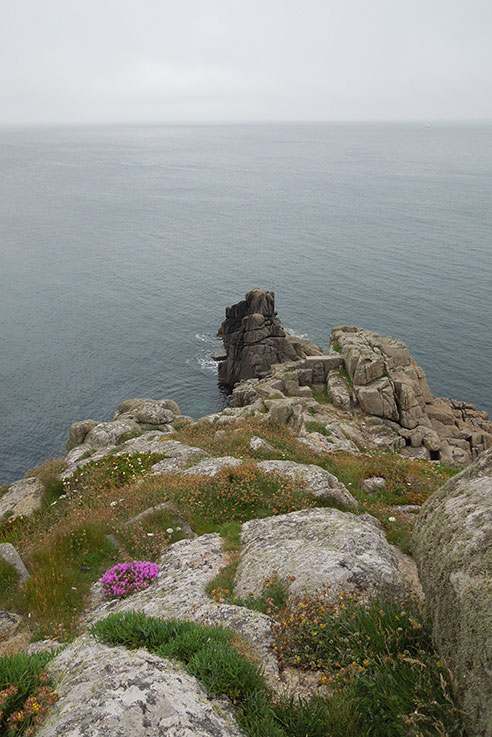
121, 246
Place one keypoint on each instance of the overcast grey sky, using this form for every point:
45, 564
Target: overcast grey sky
239, 60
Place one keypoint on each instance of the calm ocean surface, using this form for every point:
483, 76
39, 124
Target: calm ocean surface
120, 247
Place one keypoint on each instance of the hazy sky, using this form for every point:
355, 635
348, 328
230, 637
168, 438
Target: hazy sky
232, 60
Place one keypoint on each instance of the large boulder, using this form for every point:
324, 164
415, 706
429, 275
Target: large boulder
254, 339
452, 543
185, 569
22, 498
318, 551
108, 691
322, 484
385, 381
149, 413
78, 433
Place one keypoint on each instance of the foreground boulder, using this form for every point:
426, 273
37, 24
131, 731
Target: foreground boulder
317, 548
108, 691
179, 592
254, 339
452, 543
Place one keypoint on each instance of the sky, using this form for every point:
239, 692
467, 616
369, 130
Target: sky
158, 61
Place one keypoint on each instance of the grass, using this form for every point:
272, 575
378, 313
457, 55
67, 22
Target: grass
342, 371
272, 599
318, 427
62, 573
25, 693
9, 579
111, 471
380, 661
48, 474
322, 396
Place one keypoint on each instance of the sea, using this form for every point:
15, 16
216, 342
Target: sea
121, 246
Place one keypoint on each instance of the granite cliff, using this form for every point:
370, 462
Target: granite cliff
283, 528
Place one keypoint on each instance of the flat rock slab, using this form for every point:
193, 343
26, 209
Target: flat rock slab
318, 547
179, 592
112, 692
212, 466
321, 483
22, 498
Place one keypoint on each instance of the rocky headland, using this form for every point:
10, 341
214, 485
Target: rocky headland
334, 489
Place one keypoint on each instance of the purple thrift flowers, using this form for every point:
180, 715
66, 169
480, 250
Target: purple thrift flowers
126, 578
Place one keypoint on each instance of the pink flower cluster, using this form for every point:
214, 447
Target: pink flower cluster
126, 578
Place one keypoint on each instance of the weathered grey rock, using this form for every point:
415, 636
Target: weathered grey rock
257, 443
452, 543
43, 646
286, 411
78, 432
109, 433
375, 483
388, 383
148, 412
111, 692
9, 622
12, 557
254, 339
175, 453
318, 547
212, 466
339, 391
179, 592
321, 483
22, 498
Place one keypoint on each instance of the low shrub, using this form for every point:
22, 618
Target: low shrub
111, 472
26, 693
380, 660
124, 579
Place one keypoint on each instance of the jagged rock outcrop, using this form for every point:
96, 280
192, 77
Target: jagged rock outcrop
387, 382
452, 543
317, 548
376, 381
133, 417
254, 339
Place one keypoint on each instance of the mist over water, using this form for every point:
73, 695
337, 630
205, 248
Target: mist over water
120, 248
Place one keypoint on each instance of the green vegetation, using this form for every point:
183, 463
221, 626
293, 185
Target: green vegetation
62, 573
336, 347
379, 659
272, 599
382, 676
345, 376
322, 396
318, 427
112, 471
25, 693
9, 579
